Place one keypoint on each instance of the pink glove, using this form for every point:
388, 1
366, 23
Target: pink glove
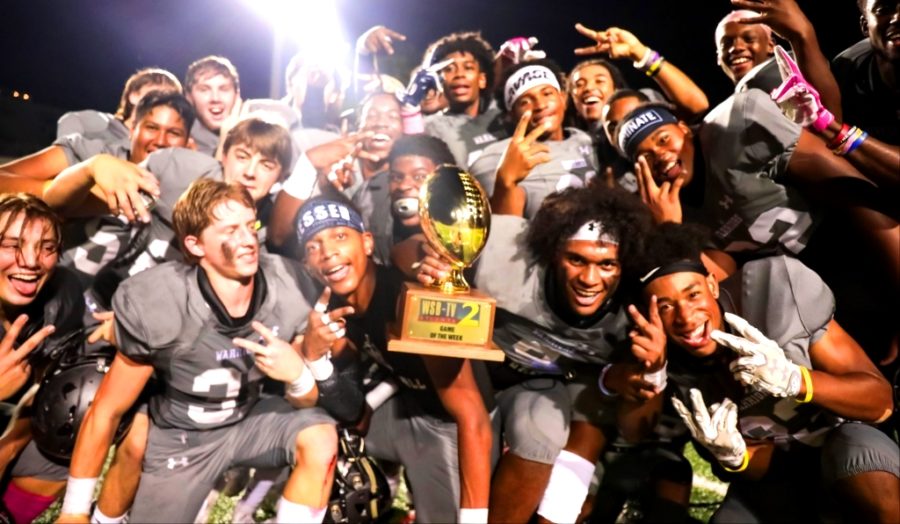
797, 98
520, 48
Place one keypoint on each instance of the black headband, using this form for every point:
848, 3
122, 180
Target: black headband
681, 266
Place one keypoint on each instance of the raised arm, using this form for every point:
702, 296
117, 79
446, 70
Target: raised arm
787, 20
618, 43
102, 184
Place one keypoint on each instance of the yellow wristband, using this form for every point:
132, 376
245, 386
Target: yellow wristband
807, 381
744, 463
655, 67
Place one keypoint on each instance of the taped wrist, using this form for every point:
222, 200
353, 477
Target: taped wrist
302, 385
341, 394
381, 393
301, 182
79, 495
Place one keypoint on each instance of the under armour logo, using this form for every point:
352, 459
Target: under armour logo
183, 461
585, 150
726, 202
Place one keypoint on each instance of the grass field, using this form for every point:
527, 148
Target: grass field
706, 494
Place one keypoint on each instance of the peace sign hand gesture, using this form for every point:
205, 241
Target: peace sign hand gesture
274, 357
615, 42
648, 338
14, 367
523, 153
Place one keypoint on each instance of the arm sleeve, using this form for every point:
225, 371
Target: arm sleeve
342, 394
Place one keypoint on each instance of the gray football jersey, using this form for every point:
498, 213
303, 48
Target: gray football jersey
467, 136
163, 320
534, 339
573, 164
92, 124
175, 168
91, 243
791, 305
747, 144
78, 148
373, 200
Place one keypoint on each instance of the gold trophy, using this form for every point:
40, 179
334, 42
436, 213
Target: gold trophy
449, 318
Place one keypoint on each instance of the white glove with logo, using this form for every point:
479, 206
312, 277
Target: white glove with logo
716, 428
762, 364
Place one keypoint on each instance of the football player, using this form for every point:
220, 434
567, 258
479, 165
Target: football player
471, 122
775, 393
561, 318
212, 86
229, 303
743, 192
593, 81
867, 72
255, 153
389, 202
437, 425
96, 124
341, 165
40, 305
542, 156
162, 120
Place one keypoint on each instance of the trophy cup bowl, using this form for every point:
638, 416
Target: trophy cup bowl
455, 216
449, 318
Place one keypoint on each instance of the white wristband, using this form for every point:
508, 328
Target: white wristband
303, 385
79, 495
640, 64
473, 515
381, 393
301, 182
321, 368
658, 378
603, 389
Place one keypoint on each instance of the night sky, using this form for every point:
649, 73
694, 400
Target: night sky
76, 54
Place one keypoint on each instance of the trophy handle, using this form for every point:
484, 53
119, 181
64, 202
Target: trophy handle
455, 283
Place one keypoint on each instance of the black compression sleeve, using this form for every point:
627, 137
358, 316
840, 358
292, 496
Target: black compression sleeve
341, 394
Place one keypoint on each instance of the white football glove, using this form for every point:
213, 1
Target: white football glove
715, 428
762, 364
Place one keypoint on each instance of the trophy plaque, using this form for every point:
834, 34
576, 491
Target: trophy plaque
449, 318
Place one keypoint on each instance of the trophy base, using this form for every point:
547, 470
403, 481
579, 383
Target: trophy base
432, 322
442, 349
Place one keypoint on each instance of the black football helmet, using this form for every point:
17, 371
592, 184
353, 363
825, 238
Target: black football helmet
360, 493
67, 390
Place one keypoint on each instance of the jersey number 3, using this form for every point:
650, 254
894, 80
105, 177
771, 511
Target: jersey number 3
204, 383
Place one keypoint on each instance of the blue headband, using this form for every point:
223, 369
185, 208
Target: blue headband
640, 123
318, 214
